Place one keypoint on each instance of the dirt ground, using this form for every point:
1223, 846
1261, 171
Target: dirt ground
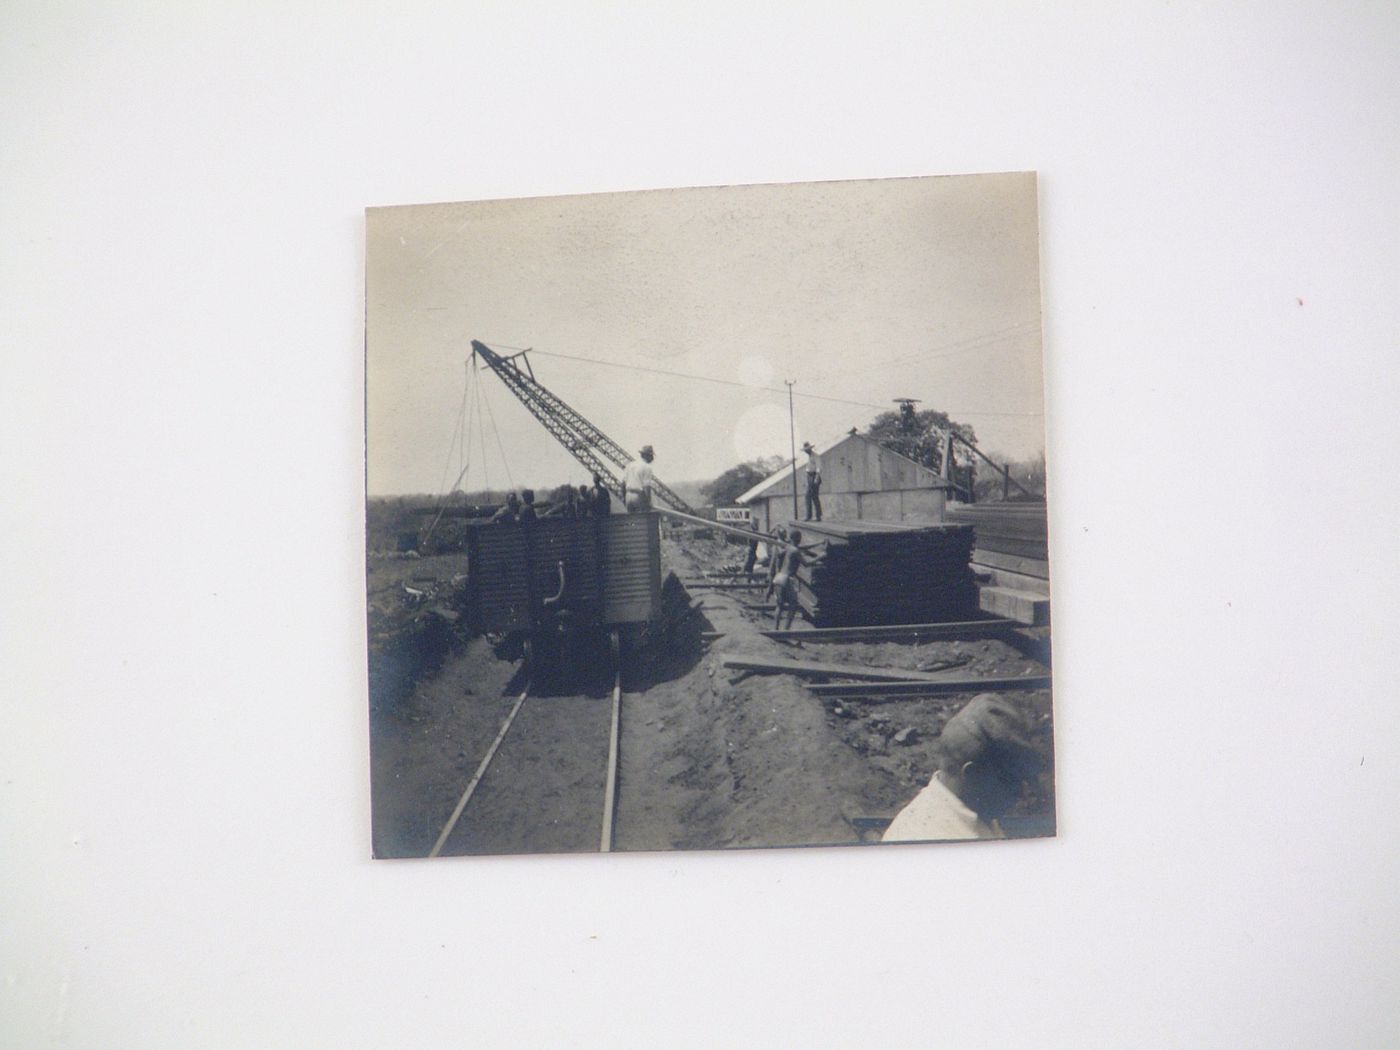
709, 758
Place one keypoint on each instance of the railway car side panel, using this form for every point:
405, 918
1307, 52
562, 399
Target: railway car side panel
572, 544
500, 578
632, 560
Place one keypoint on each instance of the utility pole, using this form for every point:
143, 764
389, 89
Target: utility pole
792, 437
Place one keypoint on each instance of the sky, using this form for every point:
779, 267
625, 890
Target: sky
861, 292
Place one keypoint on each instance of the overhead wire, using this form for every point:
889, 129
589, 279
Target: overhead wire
959, 346
702, 379
746, 386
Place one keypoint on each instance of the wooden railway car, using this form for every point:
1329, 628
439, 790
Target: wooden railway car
559, 574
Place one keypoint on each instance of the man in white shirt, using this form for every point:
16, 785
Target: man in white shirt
637, 481
814, 482
985, 758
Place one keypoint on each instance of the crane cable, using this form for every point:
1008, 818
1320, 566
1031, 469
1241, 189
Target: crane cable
473, 397
505, 462
455, 443
461, 440
481, 431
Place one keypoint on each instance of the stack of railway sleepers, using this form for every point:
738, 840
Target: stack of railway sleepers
1011, 557
1015, 530
873, 573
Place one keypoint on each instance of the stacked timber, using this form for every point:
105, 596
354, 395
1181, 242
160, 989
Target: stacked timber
1011, 556
873, 573
1016, 530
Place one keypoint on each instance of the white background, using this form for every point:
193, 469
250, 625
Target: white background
183, 734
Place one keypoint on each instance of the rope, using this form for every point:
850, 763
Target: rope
464, 443
496, 430
455, 444
481, 433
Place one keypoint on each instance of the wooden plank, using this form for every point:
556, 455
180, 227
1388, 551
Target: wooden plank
732, 530
1025, 607
963, 684
900, 632
810, 669
1011, 563
1014, 581
914, 632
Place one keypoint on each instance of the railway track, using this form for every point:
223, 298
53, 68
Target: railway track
523, 798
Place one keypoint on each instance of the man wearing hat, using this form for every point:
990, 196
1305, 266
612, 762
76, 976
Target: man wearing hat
814, 482
985, 756
637, 481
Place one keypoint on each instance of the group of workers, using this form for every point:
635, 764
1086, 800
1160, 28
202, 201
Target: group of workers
586, 501
782, 554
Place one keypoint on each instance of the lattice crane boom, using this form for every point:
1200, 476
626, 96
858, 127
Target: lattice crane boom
580, 438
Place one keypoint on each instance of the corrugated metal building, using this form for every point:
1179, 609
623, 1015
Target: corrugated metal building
861, 481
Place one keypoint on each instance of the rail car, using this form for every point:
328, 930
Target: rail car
540, 580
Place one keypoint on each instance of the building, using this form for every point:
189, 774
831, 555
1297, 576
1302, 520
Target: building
861, 481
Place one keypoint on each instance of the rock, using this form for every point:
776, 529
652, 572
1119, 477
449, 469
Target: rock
905, 735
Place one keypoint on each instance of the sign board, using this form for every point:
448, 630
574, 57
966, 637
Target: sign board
732, 515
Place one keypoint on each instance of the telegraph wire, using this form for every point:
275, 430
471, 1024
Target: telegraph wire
736, 383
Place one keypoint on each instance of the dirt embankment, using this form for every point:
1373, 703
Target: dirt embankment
710, 758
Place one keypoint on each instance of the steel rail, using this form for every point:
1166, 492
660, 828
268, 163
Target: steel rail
480, 772
610, 790
610, 786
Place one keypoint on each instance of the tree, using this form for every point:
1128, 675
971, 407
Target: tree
918, 435
735, 481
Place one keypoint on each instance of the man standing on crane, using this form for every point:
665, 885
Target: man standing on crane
637, 481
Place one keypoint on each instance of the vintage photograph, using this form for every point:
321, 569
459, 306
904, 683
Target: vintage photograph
708, 518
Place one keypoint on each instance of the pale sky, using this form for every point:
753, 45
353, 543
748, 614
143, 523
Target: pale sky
860, 291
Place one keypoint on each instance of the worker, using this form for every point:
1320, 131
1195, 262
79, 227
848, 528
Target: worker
510, 512
814, 482
528, 512
637, 481
564, 503
984, 756
789, 559
601, 497
774, 558
583, 500
752, 556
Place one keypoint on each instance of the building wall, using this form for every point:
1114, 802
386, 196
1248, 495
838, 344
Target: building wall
921, 505
860, 465
861, 481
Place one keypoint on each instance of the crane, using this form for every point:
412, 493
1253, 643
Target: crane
584, 441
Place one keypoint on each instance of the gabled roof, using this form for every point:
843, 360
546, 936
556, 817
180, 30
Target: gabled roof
784, 474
